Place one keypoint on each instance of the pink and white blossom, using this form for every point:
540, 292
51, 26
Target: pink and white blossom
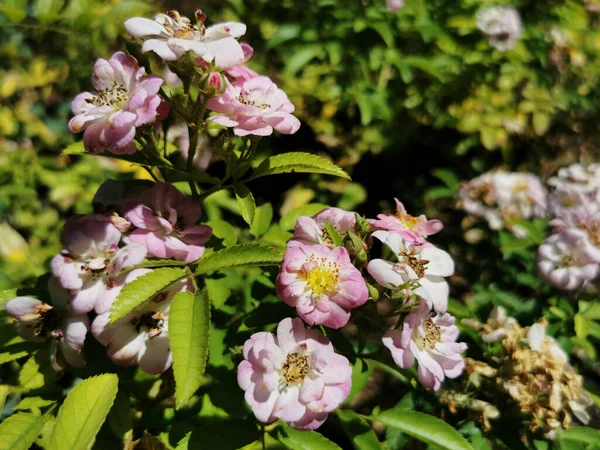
37, 321
312, 231
321, 283
125, 99
420, 266
394, 5
585, 179
141, 337
166, 223
171, 35
432, 342
295, 376
502, 26
402, 221
91, 260
504, 197
254, 106
568, 260
240, 71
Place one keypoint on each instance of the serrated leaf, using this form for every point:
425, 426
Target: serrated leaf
304, 440
189, 334
288, 221
361, 371
19, 431
152, 263
262, 220
76, 148
142, 288
299, 162
223, 230
358, 430
37, 371
239, 255
245, 201
83, 413
425, 428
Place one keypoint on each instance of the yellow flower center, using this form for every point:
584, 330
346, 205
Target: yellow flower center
408, 221
323, 279
295, 368
431, 338
115, 96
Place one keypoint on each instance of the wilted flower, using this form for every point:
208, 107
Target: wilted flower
312, 231
39, 322
295, 376
568, 260
420, 267
91, 260
126, 98
166, 224
170, 35
432, 342
141, 337
321, 283
254, 106
502, 197
583, 178
402, 221
498, 326
501, 24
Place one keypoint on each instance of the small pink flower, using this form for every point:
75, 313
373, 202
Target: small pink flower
321, 283
394, 5
91, 260
255, 106
141, 337
568, 259
311, 230
39, 322
295, 376
432, 342
421, 267
240, 71
402, 221
125, 99
166, 224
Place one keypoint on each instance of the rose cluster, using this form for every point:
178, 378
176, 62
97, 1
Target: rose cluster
570, 257
296, 376
98, 259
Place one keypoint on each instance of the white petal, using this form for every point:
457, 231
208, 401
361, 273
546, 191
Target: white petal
440, 262
142, 27
384, 273
535, 336
161, 48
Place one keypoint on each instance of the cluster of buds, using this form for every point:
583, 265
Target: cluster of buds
534, 371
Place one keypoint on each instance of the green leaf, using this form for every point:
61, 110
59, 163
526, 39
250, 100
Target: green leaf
297, 162
47, 11
358, 430
361, 371
19, 431
37, 371
189, 334
83, 412
245, 201
76, 148
426, 428
582, 325
304, 440
335, 236
142, 288
541, 122
223, 230
288, 221
238, 256
448, 177
591, 310
151, 263
262, 220
582, 435
33, 404
4, 391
